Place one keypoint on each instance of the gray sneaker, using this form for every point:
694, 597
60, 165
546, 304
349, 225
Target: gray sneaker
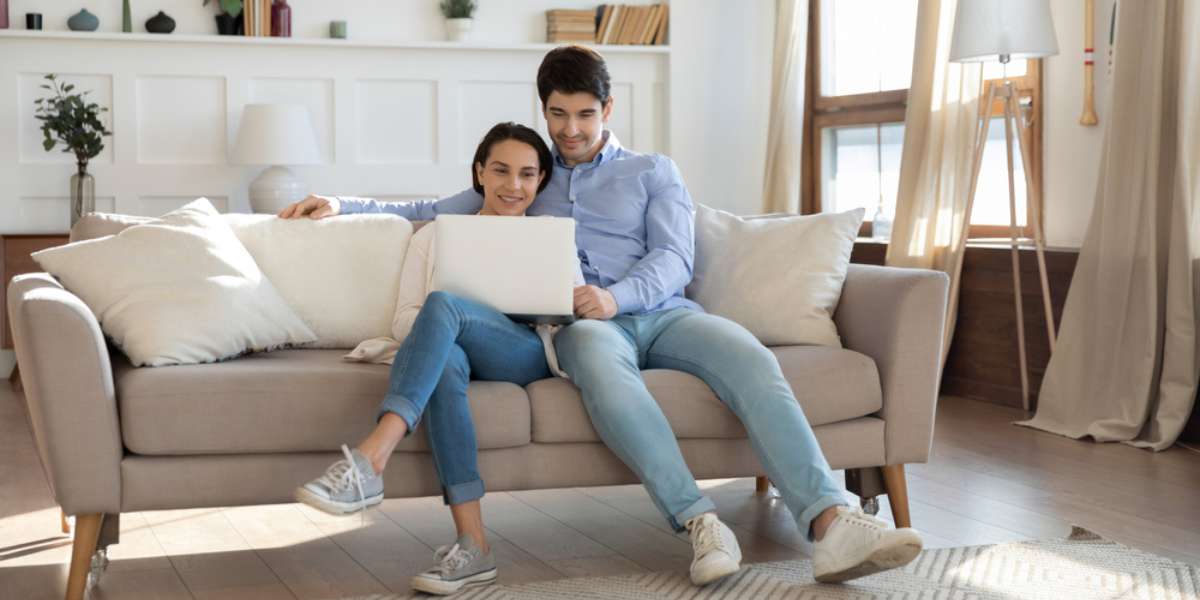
349, 485
458, 566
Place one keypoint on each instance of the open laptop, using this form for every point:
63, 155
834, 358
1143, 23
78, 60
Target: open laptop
525, 267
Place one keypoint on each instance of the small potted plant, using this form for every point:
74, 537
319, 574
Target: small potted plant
67, 118
229, 21
458, 18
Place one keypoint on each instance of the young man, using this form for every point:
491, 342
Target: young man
634, 233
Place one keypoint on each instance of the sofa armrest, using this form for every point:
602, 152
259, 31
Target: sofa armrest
897, 317
69, 393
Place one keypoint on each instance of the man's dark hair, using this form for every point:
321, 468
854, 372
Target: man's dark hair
513, 131
572, 69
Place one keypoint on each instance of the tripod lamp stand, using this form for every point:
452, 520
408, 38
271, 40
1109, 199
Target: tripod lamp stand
1001, 30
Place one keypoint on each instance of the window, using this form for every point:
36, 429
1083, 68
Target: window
860, 68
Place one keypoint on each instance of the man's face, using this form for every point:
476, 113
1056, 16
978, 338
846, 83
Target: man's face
576, 124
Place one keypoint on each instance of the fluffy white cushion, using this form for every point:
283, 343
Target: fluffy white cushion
179, 289
779, 277
341, 275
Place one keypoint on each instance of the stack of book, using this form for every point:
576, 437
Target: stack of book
256, 15
632, 24
570, 25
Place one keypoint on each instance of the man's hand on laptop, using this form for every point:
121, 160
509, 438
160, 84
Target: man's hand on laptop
313, 207
593, 302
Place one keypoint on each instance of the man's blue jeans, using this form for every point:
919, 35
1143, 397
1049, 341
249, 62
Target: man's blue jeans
452, 340
605, 358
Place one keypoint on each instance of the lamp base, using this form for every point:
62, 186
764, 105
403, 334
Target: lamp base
274, 189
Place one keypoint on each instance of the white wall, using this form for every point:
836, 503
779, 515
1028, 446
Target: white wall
1072, 151
720, 97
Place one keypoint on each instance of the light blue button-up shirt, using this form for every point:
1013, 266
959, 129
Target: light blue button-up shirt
634, 223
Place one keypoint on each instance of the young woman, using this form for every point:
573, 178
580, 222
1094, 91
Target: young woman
446, 341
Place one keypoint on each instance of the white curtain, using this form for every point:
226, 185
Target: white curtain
940, 132
781, 183
1127, 360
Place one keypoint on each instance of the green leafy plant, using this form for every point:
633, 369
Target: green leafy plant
68, 118
458, 9
232, 8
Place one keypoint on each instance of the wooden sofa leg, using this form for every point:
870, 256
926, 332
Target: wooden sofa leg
66, 525
897, 493
761, 485
87, 533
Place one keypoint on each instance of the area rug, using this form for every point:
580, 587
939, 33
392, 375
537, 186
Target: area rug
1081, 567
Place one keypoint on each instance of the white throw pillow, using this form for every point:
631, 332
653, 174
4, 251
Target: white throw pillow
341, 275
180, 289
779, 277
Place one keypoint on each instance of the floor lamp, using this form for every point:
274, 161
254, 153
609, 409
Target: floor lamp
1001, 30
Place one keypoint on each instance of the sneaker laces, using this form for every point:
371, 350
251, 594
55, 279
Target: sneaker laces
341, 474
706, 536
450, 559
858, 518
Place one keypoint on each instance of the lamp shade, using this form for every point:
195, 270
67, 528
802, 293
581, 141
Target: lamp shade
276, 134
986, 29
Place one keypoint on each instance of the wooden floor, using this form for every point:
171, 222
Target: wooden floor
987, 482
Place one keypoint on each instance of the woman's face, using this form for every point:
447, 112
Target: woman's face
510, 178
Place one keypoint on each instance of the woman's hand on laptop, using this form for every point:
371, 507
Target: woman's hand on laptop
313, 207
593, 302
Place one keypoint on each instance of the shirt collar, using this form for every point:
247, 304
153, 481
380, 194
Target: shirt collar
607, 152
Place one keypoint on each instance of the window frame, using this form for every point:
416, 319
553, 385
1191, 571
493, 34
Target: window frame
886, 107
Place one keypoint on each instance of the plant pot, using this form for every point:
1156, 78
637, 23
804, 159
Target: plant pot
458, 30
83, 194
227, 25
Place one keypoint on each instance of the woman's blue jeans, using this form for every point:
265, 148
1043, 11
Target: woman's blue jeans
452, 341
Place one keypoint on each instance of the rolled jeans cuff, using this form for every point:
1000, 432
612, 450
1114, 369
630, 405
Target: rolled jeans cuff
461, 493
804, 521
699, 507
403, 408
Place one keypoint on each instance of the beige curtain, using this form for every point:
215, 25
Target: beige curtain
781, 183
940, 132
1126, 364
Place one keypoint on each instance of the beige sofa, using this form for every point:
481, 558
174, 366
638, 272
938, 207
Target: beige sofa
114, 438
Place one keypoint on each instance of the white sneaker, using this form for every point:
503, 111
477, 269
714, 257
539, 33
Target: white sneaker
715, 551
857, 545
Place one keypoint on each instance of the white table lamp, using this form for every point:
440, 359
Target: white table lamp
276, 135
1001, 30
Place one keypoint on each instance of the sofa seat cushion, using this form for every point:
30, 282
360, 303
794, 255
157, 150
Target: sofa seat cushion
284, 401
831, 385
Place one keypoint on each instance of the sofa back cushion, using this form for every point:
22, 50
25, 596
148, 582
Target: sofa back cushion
341, 276
178, 289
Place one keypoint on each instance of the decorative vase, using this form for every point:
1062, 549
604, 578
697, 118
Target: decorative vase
83, 193
227, 25
281, 19
83, 21
126, 17
160, 23
458, 30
